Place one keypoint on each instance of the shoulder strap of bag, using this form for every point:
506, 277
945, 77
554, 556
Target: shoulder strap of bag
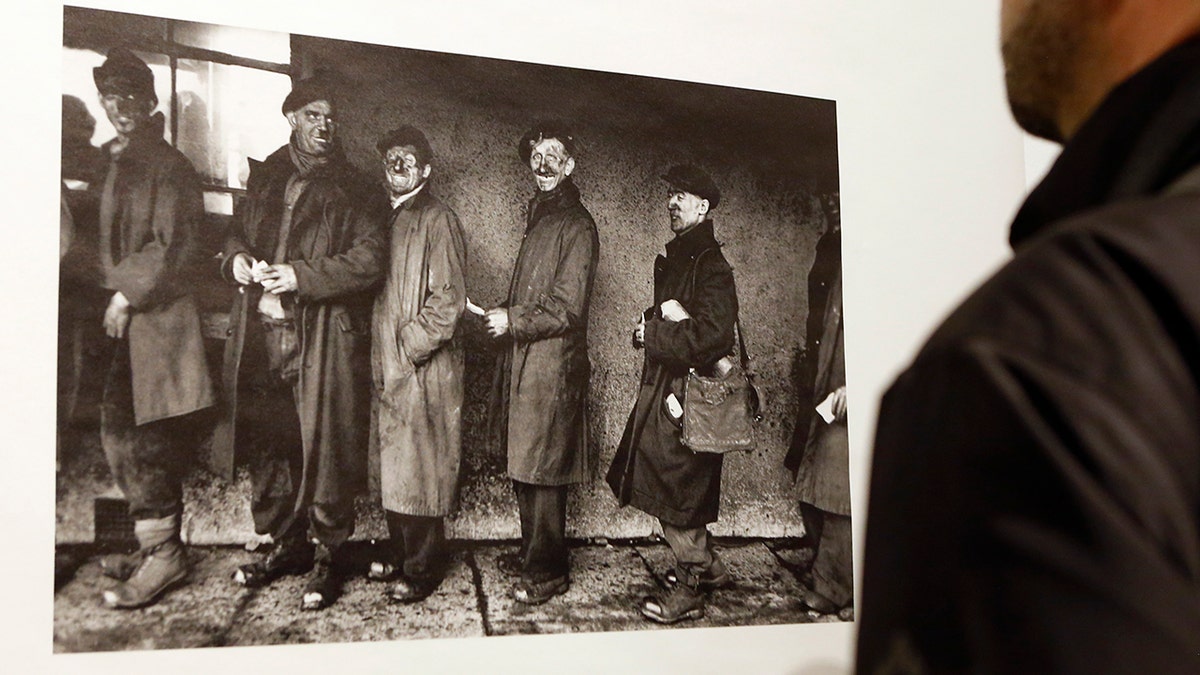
737, 324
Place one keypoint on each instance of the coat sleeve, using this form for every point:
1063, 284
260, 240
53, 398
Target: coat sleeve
153, 274
359, 267
708, 335
1000, 539
564, 306
446, 295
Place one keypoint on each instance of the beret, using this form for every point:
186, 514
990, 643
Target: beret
306, 91
406, 135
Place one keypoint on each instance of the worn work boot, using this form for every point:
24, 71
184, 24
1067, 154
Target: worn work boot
716, 576
120, 566
289, 556
408, 590
162, 566
684, 601
536, 592
326, 583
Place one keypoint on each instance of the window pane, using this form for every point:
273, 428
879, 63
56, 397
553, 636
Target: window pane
229, 113
245, 42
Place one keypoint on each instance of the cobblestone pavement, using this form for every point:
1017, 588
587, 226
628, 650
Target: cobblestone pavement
608, 580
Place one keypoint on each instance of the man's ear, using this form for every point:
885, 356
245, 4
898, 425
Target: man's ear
569, 167
703, 208
426, 170
291, 118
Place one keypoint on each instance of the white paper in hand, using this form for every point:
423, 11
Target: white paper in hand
825, 409
474, 308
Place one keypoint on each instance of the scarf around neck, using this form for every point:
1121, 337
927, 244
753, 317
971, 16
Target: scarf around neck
1144, 135
306, 163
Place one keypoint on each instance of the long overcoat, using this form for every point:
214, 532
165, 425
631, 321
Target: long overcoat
151, 207
417, 359
823, 478
337, 247
652, 470
542, 387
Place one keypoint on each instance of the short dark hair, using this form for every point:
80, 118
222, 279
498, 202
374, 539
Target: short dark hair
541, 130
407, 135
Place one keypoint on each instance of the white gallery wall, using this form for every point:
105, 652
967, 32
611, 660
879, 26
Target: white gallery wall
931, 169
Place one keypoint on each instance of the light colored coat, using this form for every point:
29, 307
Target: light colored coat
418, 362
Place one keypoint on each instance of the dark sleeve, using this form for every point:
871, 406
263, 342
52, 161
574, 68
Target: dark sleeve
1011, 529
564, 306
708, 335
357, 268
154, 273
445, 292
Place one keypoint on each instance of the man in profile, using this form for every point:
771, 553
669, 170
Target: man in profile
690, 326
1035, 498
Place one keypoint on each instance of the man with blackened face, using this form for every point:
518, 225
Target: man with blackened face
306, 254
418, 370
543, 379
157, 376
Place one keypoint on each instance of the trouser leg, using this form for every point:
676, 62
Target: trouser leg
268, 415
144, 459
420, 544
833, 565
691, 546
543, 510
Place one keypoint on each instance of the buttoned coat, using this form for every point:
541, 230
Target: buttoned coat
652, 470
336, 247
417, 359
542, 379
150, 209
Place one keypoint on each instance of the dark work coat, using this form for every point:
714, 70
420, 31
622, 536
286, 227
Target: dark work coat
652, 470
543, 380
1035, 493
418, 361
148, 228
823, 476
336, 246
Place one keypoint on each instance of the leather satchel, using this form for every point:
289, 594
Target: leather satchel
719, 411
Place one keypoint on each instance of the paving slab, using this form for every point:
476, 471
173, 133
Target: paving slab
606, 583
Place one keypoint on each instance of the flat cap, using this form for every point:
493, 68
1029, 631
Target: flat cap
316, 88
124, 73
691, 179
545, 129
407, 135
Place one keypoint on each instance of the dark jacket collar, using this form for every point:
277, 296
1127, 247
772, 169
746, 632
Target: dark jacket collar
143, 140
1144, 135
562, 197
693, 242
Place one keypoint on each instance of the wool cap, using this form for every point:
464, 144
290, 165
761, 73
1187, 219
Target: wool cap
544, 129
124, 73
691, 179
316, 88
407, 135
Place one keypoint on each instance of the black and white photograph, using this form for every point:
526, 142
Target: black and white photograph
490, 336
363, 342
